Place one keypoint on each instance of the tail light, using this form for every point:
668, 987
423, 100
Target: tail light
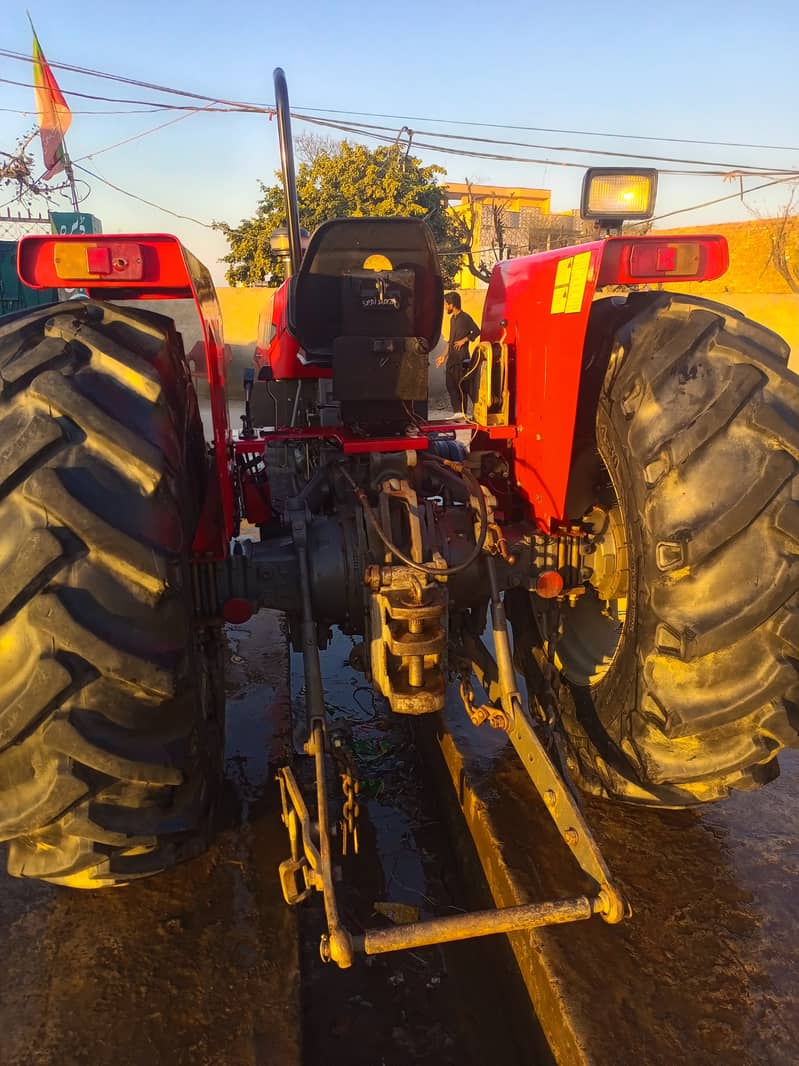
78, 261
140, 264
633, 260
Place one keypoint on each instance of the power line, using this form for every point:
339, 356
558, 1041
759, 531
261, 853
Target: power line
157, 105
127, 111
138, 136
728, 167
721, 199
390, 137
249, 106
141, 199
386, 134
546, 129
90, 72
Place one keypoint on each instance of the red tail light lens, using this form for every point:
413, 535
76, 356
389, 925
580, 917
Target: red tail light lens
632, 260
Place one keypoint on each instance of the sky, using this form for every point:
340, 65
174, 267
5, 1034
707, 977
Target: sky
704, 70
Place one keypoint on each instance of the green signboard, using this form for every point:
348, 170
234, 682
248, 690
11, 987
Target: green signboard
67, 223
14, 296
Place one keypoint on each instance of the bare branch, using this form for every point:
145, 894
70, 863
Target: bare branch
309, 145
784, 241
467, 225
16, 173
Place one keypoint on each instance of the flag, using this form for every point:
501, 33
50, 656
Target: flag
54, 114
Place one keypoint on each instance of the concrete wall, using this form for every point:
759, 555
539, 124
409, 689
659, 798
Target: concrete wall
241, 308
751, 268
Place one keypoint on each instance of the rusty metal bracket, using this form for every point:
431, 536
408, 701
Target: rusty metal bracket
310, 867
299, 874
499, 678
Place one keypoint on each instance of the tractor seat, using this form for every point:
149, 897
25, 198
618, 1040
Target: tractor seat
366, 278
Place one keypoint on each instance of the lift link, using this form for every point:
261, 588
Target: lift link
338, 945
310, 866
523, 735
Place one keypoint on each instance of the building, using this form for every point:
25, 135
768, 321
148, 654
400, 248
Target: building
501, 222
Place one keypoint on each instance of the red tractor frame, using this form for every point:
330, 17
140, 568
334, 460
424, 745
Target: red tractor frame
621, 517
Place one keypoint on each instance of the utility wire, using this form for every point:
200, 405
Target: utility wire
155, 104
720, 199
728, 167
138, 136
90, 72
74, 111
551, 147
141, 199
547, 129
390, 137
248, 106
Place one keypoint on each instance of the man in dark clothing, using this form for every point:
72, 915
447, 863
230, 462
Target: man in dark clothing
462, 329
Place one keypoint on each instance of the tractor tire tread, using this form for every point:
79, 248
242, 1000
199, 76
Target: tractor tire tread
698, 424
102, 701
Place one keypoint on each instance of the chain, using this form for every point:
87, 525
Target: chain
495, 716
351, 787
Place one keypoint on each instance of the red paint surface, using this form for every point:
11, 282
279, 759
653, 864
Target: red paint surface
546, 349
281, 351
546, 353
168, 271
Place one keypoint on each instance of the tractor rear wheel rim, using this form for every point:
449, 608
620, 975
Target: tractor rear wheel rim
593, 626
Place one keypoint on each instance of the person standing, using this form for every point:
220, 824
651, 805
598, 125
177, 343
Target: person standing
462, 329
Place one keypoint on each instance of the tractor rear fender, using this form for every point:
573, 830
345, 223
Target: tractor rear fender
150, 266
539, 306
277, 350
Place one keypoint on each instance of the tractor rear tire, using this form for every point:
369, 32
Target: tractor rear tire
111, 698
688, 423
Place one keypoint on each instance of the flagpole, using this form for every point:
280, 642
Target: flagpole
70, 173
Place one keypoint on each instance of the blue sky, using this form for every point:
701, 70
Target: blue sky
709, 70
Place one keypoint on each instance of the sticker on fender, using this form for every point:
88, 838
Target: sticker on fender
570, 280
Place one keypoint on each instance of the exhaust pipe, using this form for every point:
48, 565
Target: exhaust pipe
287, 167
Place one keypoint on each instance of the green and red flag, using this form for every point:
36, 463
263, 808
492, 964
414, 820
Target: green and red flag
54, 114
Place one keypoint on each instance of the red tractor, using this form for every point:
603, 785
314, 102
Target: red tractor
609, 567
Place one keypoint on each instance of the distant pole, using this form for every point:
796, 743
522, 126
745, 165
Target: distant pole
70, 173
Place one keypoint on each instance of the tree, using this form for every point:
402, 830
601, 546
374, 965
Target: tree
784, 240
488, 218
340, 180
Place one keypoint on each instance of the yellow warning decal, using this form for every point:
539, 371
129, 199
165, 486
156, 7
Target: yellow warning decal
570, 280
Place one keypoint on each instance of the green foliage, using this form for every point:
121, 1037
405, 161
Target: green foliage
342, 180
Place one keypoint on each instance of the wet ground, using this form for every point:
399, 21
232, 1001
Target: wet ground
707, 970
199, 965
205, 964
460, 1005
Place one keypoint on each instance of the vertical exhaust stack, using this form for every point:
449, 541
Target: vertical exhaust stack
287, 167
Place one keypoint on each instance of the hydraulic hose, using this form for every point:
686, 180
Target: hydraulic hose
431, 571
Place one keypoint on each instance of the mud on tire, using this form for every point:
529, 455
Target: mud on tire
697, 430
111, 731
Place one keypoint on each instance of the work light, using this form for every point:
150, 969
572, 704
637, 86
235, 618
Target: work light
612, 194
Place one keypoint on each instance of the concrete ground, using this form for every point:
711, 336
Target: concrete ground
205, 965
707, 969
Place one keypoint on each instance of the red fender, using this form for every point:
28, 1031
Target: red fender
539, 306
